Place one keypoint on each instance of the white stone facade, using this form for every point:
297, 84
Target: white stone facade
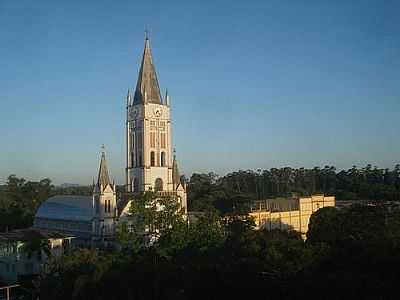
150, 162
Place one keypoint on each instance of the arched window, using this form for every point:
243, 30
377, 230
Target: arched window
158, 185
135, 185
152, 159
162, 159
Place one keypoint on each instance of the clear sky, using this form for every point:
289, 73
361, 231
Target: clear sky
253, 84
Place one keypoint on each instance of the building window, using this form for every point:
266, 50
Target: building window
158, 185
163, 140
152, 139
97, 203
162, 159
152, 159
135, 185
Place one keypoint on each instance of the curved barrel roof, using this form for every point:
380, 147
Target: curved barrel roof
75, 208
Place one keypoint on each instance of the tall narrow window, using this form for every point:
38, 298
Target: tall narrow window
97, 203
152, 139
135, 185
162, 159
162, 135
152, 159
158, 185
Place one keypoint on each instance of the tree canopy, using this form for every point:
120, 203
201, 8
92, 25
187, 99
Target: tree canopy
349, 254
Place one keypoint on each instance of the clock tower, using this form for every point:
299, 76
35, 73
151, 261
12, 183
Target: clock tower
150, 162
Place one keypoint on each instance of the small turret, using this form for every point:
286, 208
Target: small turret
166, 99
129, 99
176, 177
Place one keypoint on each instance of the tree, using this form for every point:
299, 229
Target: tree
151, 215
325, 226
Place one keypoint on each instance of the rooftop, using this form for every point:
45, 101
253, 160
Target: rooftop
74, 208
30, 234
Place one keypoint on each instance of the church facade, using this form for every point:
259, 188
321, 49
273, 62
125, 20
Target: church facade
151, 165
150, 161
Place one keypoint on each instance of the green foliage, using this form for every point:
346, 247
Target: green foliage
350, 254
325, 226
69, 277
151, 216
234, 191
36, 246
19, 200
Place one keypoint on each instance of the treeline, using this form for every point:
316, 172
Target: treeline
349, 254
19, 200
238, 188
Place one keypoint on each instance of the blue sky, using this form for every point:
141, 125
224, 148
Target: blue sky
253, 84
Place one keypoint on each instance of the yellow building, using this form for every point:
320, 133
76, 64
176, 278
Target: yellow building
288, 214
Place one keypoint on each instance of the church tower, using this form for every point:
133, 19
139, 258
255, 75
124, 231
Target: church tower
149, 157
105, 202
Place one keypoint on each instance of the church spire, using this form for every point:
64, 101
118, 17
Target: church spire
103, 178
176, 177
147, 79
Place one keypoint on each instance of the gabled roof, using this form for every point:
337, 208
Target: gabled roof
147, 88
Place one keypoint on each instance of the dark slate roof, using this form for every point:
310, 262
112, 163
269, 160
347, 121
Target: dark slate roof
74, 208
30, 234
147, 88
121, 204
103, 177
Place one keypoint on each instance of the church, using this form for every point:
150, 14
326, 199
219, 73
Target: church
151, 165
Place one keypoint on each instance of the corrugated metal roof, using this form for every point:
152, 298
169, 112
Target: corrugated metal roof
75, 208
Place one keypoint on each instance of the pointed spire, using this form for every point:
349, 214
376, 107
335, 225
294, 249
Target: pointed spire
103, 178
166, 100
147, 79
176, 177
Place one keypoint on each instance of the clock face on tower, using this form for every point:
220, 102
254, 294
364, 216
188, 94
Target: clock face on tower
157, 112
